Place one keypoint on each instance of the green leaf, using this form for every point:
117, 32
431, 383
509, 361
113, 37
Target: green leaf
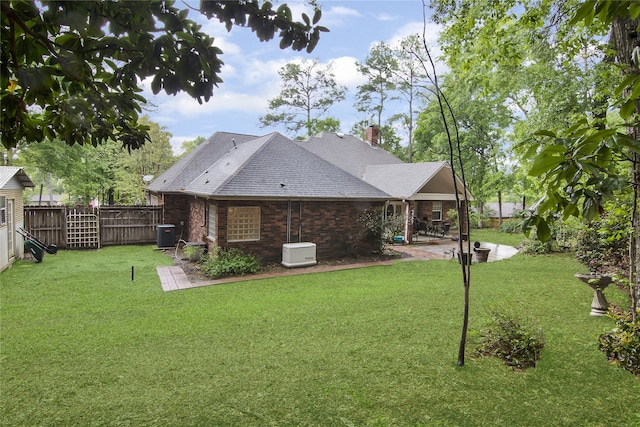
285, 12
628, 108
316, 16
626, 82
542, 231
584, 13
544, 132
547, 160
181, 35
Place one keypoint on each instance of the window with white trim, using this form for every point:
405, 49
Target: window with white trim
394, 209
3, 210
243, 223
213, 223
436, 211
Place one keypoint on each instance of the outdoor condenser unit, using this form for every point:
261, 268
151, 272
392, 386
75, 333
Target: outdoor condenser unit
299, 254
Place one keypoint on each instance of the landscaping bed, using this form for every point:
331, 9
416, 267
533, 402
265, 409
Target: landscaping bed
195, 273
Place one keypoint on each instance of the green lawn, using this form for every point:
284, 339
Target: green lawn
492, 235
83, 344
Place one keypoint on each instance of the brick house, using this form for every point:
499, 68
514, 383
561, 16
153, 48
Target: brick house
258, 193
13, 181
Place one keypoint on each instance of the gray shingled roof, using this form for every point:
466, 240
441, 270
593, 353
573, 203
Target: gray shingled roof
406, 180
273, 166
185, 170
348, 152
8, 172
329, 165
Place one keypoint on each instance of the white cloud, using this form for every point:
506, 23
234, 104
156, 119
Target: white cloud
431, 32
176, 143
173, 108
386, 17
345, 71
337, 16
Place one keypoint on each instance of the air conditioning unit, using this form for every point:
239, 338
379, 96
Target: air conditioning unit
300, 254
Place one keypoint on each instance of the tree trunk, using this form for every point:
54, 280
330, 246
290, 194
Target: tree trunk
500, 208
625, 38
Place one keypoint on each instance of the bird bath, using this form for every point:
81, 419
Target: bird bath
597, 282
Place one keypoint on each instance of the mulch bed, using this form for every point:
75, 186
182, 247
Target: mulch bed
194, 272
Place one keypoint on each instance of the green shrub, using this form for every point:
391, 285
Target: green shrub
603, 245
374, 226
535, 246
230, 262
511, 225
474, 219
622, 344
515, 340
562, 238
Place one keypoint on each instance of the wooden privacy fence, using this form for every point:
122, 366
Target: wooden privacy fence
77, 228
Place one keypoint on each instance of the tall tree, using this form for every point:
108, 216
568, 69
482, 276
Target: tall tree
72, 70
481, 122
148, 162
309, 89
581, 157
191, 144
378, 70
106, 172
410, 84
544, 73
599, 159
389, 140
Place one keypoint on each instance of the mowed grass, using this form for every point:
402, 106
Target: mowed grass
83, 344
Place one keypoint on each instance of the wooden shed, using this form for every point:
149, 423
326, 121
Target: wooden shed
13, 181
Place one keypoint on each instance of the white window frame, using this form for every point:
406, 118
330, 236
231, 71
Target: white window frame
212, 231
3, 210
396, 209
436, 207
243, 223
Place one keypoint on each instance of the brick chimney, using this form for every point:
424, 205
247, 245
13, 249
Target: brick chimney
371, 135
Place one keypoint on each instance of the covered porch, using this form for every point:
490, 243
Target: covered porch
424, 193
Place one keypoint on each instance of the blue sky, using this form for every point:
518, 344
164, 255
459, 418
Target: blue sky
250, 74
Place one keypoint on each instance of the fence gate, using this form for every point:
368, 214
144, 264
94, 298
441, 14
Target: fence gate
83, 229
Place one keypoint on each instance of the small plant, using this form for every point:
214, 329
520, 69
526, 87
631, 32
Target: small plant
515, 340
189, 251
475, 219
536, 246
380, 229
230, 262
511, 225
603, 245
622, 344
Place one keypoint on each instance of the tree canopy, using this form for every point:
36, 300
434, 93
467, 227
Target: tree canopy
73, 70
309, 90
105, 172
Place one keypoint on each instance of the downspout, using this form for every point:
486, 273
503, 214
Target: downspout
289, 221
300, 221
204, 209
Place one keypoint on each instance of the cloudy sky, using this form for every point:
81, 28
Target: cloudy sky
250, 74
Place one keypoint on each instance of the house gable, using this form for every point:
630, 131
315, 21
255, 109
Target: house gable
14, 178
415, 181
185, 170
348, 152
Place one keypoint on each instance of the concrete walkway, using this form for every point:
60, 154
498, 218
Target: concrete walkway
174, 278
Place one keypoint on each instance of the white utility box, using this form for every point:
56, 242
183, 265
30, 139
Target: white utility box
300, 254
